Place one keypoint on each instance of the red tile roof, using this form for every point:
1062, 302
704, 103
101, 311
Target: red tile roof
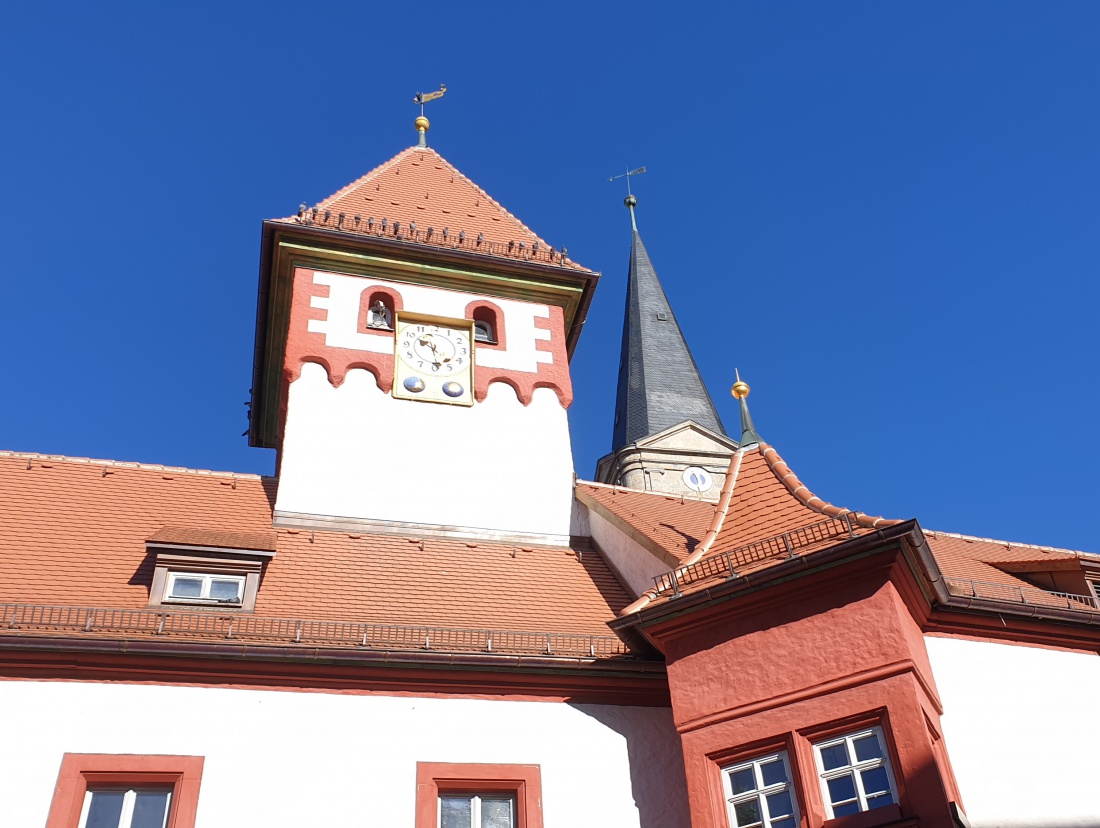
420, 186
767, 500
74, 533
190, 536
983, 559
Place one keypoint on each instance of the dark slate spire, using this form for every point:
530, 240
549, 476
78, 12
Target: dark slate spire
740, 392
659, 383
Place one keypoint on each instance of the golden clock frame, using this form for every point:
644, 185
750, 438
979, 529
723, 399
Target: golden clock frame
401, 370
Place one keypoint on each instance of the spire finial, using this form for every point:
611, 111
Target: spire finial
422, 123
630, 201
740, 393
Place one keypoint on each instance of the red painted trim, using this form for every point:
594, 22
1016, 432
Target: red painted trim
521, 781
304, 346
494, 315
366, 299
79, 771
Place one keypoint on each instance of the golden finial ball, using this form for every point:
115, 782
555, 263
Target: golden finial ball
740, 390
422, 124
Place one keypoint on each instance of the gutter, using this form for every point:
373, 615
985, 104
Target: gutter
334, 656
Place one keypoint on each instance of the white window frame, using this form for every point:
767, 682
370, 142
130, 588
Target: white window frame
207, 579
855, 767
475, 805
129, 799
762, 791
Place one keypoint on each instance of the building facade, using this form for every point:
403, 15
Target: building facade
392, 632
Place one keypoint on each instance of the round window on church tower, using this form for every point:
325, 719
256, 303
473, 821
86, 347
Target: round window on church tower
698, 479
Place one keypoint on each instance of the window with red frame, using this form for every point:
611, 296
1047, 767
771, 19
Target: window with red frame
478, 796
126, 791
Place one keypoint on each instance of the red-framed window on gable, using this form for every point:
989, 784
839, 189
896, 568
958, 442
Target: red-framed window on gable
478, 795
97, 790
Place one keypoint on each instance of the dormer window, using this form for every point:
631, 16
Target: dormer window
483, 332
205, 588
202, 569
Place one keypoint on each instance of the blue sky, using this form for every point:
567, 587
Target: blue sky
884, 214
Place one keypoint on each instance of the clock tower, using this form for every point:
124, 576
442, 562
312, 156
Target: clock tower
412, 352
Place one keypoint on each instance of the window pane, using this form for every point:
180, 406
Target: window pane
786, 822
842, 788
748, 813
773, 772
224, 590
875, 781
150, 809
106, 809
496, 813
742, 780
878, 800
834, 756
844, 810
187, 588
455, 811
867, 747
779, 804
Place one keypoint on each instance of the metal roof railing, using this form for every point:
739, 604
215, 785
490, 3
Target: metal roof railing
215, 626
777, 546
1032, 596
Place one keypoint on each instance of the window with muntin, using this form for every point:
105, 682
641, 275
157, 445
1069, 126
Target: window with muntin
760, 794
476, 811
855, 772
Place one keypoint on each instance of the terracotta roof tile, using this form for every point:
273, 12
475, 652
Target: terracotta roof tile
419, 186
960, 556
190, 536
74, 533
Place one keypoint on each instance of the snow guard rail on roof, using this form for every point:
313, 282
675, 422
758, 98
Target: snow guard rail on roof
212, 626
777, 546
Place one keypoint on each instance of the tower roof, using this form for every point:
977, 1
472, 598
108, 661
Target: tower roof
421, 198
659, 382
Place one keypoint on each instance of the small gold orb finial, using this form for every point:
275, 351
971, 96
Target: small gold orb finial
740, 388
422, 124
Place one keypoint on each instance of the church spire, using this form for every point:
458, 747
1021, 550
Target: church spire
659, 383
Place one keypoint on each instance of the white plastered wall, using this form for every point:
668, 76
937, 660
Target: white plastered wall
1020, 732
355, 452
634, 563
297, 759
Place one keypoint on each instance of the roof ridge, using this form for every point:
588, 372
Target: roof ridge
935, 533
492, 200
128, 464
803, 494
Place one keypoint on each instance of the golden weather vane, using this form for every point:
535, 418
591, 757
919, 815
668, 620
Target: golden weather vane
422, 123
423, 97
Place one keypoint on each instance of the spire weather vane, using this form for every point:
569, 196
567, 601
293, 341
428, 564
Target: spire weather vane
423, 97
422, 122
627, 175
630, 201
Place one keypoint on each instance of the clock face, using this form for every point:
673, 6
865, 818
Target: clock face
434, 360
